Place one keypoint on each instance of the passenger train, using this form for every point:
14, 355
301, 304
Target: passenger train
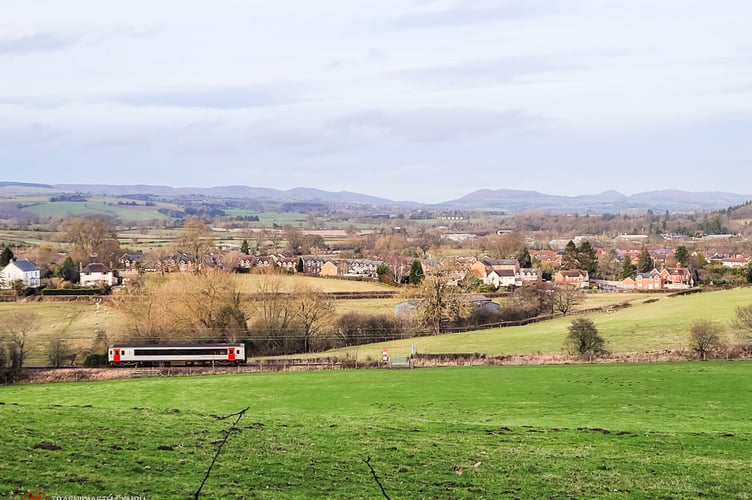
176, 354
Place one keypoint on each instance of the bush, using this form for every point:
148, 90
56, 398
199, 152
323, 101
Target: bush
584, 339
705, 337
96, 360
355, 329
71, 291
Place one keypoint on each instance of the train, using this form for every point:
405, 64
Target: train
176, 354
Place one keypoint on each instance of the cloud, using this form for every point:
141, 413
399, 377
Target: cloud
35, 134
496, 70
37, 42
231, 97
469, 13
430, 124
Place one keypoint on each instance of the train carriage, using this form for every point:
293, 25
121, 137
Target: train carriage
176, 354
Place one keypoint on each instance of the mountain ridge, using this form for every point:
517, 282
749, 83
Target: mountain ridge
510, 200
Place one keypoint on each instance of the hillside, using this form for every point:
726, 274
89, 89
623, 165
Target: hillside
649, 323
508, 200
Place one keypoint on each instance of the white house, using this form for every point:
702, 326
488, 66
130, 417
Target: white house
22, 270
96, 274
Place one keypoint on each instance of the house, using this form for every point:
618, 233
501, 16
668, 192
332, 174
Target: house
329, 268
20, 270
266, 261
575, 277
312, 265
178, 262
96, 274
289, 264
131, 261
500, 278
528, 276
246, 261
496, 272
648, 281
482, 304
365, 268
676, 277
734, 262
628, 282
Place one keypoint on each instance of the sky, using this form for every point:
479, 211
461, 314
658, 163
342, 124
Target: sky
422, 100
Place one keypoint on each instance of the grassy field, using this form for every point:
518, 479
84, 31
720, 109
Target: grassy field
651, 323
249, 283
101, 205
662, 323
76, 322
661, 430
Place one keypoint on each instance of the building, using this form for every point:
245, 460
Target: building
576, 277
96, 274
20, 270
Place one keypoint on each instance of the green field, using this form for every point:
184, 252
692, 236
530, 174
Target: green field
650, 323
662, 430
95, 205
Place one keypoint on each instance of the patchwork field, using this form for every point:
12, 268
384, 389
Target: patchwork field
661, 430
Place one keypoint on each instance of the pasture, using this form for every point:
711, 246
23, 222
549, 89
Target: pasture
651, 323
250, 283
661, 430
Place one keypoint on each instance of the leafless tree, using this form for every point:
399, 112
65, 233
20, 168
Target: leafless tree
313, 311
272, 315
743, 324
187, 306
87, 234
441, 299
705, 337
564, 298
57, 351
15, 332
196, 240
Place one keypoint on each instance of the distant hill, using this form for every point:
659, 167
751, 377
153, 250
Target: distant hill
607, 202
508, 200
243, 192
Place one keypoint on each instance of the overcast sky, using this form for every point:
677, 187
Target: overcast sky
426, 100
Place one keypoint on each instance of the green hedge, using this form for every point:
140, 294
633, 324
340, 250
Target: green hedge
71, 291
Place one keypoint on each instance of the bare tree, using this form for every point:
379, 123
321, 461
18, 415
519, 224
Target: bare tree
211, 306
564, 298
196, 240
441, 299
144, 306
313, 312
87, 234
272, 315
195, 307
705, 337
743, 323
15, 331
58, 351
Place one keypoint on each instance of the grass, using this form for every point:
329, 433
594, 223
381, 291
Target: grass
661, 324
76, 322
662, 430
249, 283
98, 205
651, 323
